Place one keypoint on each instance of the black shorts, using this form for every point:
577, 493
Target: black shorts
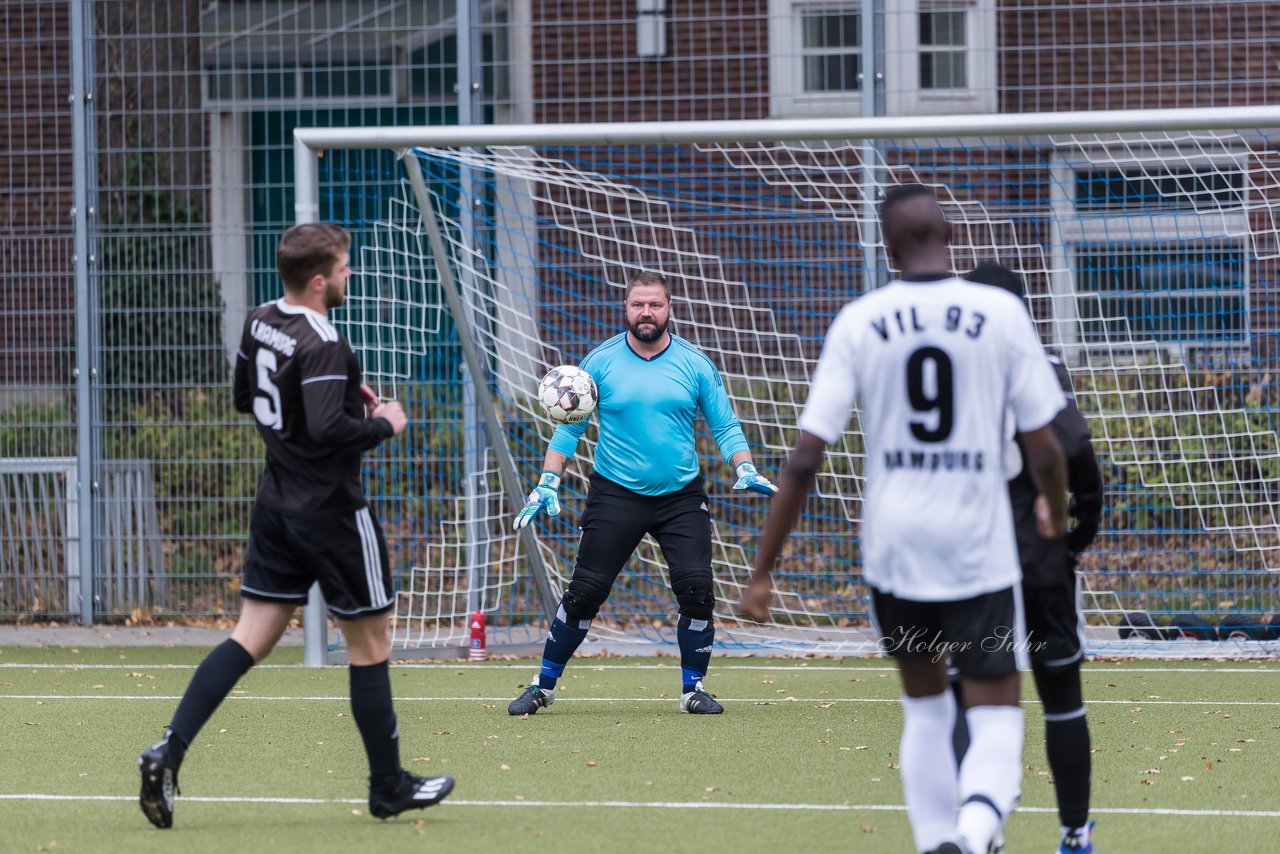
345, 552
614, 522
983, 637
1055, 626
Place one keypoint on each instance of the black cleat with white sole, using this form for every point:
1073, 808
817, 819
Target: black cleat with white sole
159, 783
412, 793
532, 699
699, 702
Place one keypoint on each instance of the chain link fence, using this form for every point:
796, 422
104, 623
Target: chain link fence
147, 160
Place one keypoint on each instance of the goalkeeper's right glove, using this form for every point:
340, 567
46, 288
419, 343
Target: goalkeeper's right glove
543, 497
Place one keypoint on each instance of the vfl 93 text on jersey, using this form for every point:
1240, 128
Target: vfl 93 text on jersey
301, 381
934, 369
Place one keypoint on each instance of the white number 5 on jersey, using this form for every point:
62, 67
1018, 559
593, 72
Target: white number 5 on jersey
266, 405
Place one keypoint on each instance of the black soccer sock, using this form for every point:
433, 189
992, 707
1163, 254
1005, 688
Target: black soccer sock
212, 682
1066, 742
376, 719
1067, 745
695, 638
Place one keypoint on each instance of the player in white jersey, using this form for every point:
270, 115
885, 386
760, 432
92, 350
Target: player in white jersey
933, 364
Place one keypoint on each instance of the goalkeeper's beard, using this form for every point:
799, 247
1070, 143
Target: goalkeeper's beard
648, 337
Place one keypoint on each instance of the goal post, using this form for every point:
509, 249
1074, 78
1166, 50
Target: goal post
1149, 241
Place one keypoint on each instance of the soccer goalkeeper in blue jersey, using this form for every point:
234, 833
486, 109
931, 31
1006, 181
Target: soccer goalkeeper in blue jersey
652, 385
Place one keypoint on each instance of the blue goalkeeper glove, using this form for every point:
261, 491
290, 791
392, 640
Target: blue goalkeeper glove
543, 497
749, 478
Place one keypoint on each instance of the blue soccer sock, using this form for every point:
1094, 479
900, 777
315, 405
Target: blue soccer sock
563, 640
695, 638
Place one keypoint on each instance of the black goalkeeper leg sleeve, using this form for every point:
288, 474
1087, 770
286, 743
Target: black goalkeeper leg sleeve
212, 682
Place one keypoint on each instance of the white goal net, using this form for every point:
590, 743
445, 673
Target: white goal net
1152, 261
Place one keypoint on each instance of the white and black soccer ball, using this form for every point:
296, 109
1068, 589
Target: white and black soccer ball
568, 394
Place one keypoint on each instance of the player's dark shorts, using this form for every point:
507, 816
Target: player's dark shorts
345, 552
983, 637
1054, 624
614, 522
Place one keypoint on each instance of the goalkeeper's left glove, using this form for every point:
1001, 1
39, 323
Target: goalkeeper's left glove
749, 478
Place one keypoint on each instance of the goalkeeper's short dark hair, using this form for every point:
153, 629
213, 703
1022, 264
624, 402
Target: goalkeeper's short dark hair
1000, 276
648, 279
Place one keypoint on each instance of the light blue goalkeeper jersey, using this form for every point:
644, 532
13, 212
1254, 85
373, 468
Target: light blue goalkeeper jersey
646, 413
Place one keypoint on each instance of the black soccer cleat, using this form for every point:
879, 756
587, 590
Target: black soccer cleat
411, 793
950, 848
699, 702
532, 699
159, 783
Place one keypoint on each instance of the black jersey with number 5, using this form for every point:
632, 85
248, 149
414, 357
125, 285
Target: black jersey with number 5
301, 382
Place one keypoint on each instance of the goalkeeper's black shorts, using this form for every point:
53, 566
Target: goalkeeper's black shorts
614, 522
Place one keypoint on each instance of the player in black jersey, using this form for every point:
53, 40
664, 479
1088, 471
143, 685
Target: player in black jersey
301, 381
1051, 602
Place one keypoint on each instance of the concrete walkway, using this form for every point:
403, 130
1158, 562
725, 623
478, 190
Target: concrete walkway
93, 636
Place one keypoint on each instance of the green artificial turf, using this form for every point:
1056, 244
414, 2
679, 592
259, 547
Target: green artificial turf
800, 761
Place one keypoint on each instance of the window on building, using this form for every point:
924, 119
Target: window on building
937, 56
944, 51
816, 62
940, 57
830, 47
1153, 253
1186, 292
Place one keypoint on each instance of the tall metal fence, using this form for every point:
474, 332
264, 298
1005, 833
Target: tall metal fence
146, 160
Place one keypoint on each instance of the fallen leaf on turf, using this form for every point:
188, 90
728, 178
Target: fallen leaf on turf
868, 828
504, 767
591, 763
356, 812
1208, 766
825, 705
419, 823
1187, 779
31, 723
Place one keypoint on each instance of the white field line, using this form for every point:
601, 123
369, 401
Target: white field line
758, 701
660, 805
587, 665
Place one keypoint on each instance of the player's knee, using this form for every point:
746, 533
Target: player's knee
1059, 688
583, 598
696, 595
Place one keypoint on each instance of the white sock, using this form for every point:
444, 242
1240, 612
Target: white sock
990, 774
928, 768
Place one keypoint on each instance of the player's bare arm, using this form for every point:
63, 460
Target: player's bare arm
1048, 469
794, 485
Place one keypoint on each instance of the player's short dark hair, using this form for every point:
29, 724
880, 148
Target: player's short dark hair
648, 279
901, 192
998, 275
309, 249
